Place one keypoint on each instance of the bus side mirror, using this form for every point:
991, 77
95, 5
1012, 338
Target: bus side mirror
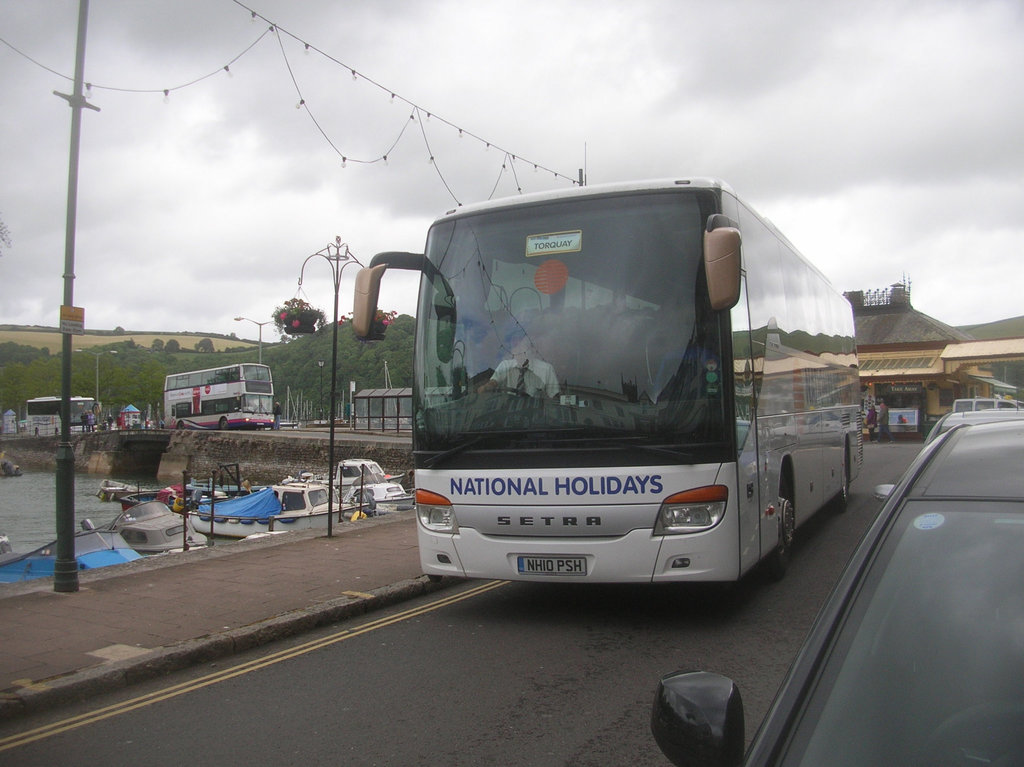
722, 266
364, 308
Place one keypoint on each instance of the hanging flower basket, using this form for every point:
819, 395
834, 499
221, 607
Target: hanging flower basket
379, 325
296, 317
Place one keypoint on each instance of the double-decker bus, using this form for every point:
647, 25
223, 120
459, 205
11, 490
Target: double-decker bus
630, 383
229, 397
43, 414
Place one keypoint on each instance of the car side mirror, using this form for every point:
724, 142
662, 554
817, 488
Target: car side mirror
697, 720
882, 492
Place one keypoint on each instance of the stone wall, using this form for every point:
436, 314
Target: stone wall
263, 457
30, 452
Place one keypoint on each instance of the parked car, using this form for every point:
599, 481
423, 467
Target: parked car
985, 403
917, 656
951, 420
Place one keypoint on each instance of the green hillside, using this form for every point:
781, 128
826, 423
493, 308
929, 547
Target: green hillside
1011, 328
40, 337
126, 367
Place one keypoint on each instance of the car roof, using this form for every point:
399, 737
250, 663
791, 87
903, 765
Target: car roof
949, 420
977, 461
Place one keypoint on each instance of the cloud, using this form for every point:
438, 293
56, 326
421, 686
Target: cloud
880, 137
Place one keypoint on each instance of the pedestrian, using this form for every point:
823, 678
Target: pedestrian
871, 421
883, 422
277, 415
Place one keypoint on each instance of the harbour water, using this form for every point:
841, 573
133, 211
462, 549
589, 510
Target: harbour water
28, 515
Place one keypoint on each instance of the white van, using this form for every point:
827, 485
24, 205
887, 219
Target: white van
985, 403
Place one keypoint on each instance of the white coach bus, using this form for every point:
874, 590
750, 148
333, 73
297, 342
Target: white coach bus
628, 383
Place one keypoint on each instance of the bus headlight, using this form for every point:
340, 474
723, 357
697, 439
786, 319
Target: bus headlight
692, 511
436, 512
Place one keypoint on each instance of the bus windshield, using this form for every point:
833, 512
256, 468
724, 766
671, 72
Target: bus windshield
580, 323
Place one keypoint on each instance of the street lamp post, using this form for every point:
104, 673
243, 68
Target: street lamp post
320, 364
97, 355
338, 256
261, 324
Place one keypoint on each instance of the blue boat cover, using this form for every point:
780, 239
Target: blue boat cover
93, 548
259, 505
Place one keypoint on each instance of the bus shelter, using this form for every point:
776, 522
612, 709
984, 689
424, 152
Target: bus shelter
382, 410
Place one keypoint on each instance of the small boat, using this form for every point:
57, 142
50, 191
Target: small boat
361, 479
93, 548
351, 470
152, 528
167, 495
292, 506
8, 469
111, 490
389, 495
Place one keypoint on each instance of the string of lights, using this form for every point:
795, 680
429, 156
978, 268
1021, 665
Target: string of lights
89, 87
416, 114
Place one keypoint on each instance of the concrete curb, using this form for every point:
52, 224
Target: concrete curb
85, 683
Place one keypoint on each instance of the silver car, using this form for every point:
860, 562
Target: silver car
951, 420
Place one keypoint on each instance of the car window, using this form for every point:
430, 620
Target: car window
935, 638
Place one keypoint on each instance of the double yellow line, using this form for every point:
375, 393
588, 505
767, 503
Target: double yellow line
108, 712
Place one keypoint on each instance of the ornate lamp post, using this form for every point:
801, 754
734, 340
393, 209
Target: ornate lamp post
260, 324
338, 256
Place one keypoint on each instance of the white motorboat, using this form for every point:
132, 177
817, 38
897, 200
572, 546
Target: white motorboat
287, 506
353, 471
152, 527
363, 481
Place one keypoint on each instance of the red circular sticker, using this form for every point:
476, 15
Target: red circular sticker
551, 276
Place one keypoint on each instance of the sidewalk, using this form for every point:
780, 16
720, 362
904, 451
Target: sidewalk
143, 619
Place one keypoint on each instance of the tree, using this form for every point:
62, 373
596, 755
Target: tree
172, 346
5, 237
205, 345
157, 345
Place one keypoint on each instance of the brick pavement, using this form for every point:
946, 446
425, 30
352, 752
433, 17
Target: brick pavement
138, 620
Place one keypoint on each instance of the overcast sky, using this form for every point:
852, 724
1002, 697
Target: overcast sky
883, 138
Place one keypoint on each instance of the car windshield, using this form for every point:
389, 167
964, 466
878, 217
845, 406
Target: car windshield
933, 651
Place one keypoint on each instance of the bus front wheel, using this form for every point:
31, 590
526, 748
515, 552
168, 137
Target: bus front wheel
222, 424
842, 500
778, 560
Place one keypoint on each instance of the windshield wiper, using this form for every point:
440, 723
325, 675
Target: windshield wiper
477, 438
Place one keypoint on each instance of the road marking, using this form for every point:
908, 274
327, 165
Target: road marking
119, 652
108, 712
